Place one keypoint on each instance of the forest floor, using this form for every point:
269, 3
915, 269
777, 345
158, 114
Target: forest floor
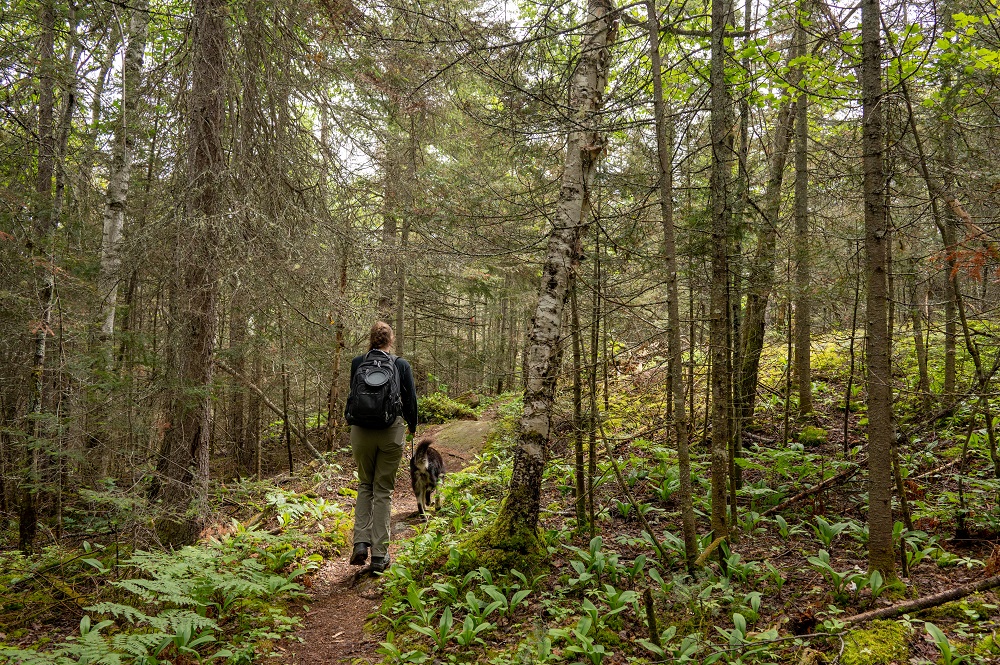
342, 596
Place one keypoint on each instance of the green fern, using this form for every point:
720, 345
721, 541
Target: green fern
140, 646
173, 603
119, 611
33, 657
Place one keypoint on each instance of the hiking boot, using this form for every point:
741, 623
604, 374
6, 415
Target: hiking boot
379, 564
360, 554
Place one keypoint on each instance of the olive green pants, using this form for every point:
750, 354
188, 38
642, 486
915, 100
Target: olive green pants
377, 453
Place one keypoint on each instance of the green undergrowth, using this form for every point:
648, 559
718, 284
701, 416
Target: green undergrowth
438, 407
447, 601
225, 599
581, 603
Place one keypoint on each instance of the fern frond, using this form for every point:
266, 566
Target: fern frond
174, 619
119, 611
33, 657
138, 644
94, 648
160, 590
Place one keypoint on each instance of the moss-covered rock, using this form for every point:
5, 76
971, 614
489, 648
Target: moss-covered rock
882, 643
439, 408
810, 436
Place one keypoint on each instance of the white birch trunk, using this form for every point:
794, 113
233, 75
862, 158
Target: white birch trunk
121, 166
584, 145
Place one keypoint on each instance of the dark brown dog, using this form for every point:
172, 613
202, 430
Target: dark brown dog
426, 469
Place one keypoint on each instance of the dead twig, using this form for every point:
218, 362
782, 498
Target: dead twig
843, 476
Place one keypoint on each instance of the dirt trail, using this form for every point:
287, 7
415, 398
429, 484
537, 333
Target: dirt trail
333, 629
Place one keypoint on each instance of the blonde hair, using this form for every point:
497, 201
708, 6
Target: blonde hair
381, 337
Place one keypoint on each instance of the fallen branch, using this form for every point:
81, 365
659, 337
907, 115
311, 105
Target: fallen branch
943, 467
708, 551
843, 476
269, 404
628, 495
927, 601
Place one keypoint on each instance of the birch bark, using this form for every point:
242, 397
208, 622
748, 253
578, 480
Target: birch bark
126, 128
585, 143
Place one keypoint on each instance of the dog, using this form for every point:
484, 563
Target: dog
426, 470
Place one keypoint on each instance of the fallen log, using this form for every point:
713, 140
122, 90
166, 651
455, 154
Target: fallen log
843, 476
926, 602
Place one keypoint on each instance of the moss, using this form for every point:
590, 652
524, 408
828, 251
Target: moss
347, 491
953, 452
988, 646
882, 643
810, 436
501, 546
974, 607
894, 589
439, 408
608, 638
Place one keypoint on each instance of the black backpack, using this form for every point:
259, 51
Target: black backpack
374, 401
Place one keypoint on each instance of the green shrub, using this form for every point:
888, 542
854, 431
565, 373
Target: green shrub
438, 408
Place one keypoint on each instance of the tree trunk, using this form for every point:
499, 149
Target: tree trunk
721, 176
43, 223
803, 328
409, 191
388, 256
238, 324
580, 487
518, 518
336, 406
879, 379
918, 295
950, 231
760, 280
675, 365
183, 463
119, 172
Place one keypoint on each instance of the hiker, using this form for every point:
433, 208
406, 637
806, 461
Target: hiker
381, 406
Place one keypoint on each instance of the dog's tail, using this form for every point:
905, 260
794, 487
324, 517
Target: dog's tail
422, 447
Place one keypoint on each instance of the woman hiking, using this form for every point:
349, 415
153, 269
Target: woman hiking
381, 407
